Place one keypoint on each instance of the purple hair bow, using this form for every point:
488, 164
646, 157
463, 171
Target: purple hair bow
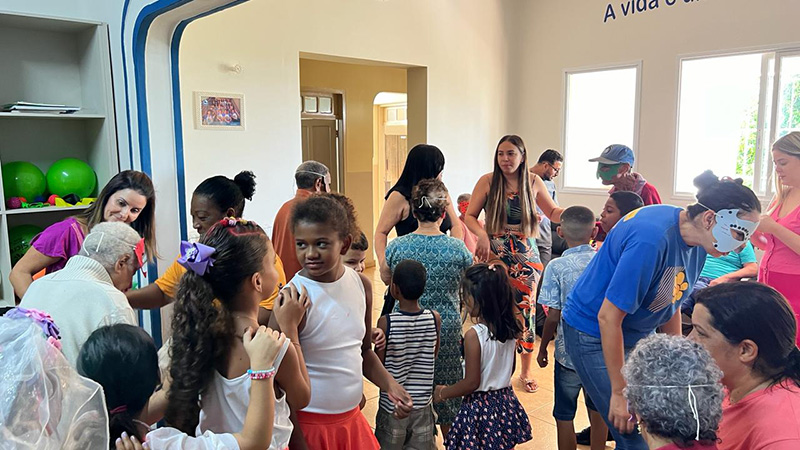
196, 257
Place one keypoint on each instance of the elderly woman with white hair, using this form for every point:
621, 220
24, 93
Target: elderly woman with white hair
674, 391
88, 292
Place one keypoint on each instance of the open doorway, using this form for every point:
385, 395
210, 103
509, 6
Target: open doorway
390, 113
353, 86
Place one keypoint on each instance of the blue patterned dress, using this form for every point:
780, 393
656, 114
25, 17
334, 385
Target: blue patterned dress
445, 258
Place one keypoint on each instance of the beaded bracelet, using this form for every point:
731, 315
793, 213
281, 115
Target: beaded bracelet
261, 374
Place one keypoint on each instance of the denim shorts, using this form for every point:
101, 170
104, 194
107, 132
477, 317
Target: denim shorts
567, 388
586, 353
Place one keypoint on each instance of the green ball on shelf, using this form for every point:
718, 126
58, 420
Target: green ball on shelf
71, 176
19, 240
23, 179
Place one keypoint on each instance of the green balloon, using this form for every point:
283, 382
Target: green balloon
19, 240
71, 176
23, 179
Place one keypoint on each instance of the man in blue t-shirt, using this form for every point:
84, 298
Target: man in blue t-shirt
644, 269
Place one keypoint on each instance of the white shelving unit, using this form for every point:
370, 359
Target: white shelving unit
59, 61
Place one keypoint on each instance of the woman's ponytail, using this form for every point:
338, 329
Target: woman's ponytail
791, 370
120, 421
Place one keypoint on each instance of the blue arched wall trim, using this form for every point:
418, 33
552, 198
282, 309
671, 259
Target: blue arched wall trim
141, 28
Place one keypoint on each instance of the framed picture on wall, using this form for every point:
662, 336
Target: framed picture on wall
215, 111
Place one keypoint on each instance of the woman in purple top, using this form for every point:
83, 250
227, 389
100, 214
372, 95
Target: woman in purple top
129, 197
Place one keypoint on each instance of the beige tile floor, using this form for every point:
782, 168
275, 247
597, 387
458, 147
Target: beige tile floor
539, 405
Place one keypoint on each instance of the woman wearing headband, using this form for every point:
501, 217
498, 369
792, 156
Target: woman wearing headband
749, 329
444, 258
215, 198
674, 393
779, 232
637, 282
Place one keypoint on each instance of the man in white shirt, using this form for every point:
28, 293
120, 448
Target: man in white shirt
88, 292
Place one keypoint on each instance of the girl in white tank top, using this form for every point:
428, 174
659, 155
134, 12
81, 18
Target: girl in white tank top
490, 414
229, 271
333, 334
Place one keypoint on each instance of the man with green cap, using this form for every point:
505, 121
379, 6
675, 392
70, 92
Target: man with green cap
614, 167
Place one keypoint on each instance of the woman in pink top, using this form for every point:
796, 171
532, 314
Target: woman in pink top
128, 197
749, 329
779, 232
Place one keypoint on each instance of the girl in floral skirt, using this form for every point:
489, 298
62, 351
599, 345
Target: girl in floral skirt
490, 415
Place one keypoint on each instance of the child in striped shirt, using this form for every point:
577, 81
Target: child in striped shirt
412, 342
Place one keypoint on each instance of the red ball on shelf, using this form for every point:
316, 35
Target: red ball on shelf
52, 200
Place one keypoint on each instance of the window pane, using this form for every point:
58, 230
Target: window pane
718, 118
765, 185
601, 108
789, 106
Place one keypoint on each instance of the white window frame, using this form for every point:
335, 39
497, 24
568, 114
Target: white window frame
779, 52
600, 191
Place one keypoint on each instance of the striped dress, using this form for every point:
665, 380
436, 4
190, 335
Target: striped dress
410, 347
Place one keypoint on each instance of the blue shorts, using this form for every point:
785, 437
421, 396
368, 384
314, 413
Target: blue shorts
567, 387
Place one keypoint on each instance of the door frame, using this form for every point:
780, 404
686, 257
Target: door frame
339, 113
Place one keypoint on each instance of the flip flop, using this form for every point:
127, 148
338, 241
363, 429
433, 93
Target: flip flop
530, 385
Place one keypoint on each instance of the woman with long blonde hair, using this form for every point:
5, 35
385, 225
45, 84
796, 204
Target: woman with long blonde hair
509, 197
779, 232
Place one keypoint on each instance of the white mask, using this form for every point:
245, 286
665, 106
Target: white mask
727, 221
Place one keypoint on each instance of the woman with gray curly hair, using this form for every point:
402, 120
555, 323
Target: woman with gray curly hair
675, 392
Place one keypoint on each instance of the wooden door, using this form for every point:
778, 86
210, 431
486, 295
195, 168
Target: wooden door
320, 143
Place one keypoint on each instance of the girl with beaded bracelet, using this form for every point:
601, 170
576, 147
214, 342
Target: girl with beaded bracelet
234, 262
122, 359
490, 415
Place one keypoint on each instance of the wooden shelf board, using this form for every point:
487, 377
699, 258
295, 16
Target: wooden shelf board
26, 115
48, 209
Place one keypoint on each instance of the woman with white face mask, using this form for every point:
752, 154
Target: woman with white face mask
637, 281
779, 232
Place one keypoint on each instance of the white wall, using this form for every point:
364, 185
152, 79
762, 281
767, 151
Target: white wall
462, 42
554, 35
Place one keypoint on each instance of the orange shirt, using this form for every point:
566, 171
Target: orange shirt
168, 283
282, 237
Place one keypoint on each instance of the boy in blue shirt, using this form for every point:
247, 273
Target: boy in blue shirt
577, 228
731, 267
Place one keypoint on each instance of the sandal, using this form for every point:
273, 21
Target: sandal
530, 385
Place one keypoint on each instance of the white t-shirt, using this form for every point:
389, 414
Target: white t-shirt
497, 360
173, 439
331, 341
225, 407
